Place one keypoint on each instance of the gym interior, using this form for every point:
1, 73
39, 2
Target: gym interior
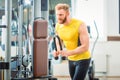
27, 30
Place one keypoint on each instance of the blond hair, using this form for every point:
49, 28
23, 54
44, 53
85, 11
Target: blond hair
62, 6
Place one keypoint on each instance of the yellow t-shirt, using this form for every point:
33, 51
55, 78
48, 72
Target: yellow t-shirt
69, 34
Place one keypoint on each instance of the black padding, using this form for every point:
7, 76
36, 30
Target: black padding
4, 65
2, 26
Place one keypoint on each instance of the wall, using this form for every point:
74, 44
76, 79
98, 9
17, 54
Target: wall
113, 17
106, 56
90, 11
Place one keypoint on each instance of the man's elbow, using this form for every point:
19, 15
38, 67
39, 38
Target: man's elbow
85, 48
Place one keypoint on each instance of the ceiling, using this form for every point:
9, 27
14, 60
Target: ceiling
52, 3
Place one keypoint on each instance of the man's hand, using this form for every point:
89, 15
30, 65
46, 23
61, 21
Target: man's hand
65, 53
55, 53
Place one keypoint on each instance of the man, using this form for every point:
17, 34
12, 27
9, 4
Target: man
70, 30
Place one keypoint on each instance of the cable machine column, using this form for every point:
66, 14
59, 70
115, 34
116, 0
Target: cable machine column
8, 11
20, 51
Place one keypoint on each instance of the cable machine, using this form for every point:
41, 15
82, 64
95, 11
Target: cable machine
25, 60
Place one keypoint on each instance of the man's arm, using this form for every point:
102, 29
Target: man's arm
84, 39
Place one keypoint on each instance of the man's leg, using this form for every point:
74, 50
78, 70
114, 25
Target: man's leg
71, 69
81, 69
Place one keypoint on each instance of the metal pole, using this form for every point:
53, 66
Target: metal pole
44, 9
20, 51
32, 35
37, 8
32, 3
8, 14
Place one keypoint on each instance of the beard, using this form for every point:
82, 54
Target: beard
62, 21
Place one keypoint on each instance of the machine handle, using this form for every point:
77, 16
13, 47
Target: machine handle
54, 38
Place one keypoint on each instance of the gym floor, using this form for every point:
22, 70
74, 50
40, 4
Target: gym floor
99, 78
67, 78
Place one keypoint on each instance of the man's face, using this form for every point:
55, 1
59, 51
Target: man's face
61, 16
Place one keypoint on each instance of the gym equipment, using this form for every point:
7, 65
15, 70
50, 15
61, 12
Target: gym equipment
41, 31
22, 59
40, 59
91, 70
56, 46
59, 46
40, 52
4, 63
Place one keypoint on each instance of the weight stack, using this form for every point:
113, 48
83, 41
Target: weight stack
40, 48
